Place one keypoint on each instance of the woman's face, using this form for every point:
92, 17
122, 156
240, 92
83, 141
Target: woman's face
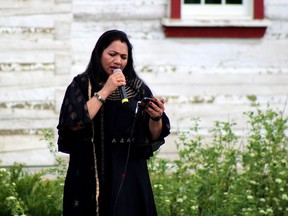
114, 56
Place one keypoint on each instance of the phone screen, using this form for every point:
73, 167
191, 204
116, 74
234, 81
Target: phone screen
144, 102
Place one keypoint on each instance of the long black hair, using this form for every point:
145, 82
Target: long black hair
95, 69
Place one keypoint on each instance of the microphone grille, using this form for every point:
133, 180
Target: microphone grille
117, 70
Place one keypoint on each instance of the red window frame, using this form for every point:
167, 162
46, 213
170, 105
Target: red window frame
215, 31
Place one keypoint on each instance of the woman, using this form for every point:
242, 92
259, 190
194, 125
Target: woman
109, 142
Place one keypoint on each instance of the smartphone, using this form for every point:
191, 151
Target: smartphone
145, 102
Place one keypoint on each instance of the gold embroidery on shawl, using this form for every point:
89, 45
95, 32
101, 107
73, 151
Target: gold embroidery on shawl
94, 154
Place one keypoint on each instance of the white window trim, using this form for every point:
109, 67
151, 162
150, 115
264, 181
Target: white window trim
214, 23
194, 11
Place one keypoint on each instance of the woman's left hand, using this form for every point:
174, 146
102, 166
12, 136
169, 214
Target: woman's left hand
156, 108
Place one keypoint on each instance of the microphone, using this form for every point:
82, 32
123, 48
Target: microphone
122, 90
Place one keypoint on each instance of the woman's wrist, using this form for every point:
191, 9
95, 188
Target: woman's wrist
157, 118
99, 97
103, 93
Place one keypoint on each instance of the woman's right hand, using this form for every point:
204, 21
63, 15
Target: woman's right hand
114, 81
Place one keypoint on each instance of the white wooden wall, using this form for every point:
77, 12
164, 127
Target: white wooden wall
43, 44
35, 58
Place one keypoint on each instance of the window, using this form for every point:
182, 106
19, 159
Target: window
216, 18
216, 9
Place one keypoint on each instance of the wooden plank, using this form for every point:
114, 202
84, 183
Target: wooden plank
27, 94
26, 123
182, 77
113, 10
29, 112
27, 57
29, 157
195, 90
26, 45
10, 143
18, 7
176, 79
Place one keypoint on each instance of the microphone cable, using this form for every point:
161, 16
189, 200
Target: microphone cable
127, 159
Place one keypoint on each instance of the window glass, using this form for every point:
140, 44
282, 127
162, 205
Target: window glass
234, 2
213, 2
191, 1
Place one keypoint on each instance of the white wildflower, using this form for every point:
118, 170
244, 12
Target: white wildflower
276, 200
194, 207
262, 212
284, 197
249, 197
2, 170
11, 198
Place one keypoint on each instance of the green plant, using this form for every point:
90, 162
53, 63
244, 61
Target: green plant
60, 164
226, 175
221, 174
41, 195
26, 193
10, 202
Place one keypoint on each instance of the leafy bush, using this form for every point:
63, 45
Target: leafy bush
10, 202
24, 193
224, 176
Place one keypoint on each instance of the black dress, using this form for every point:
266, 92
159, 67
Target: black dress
107, 172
